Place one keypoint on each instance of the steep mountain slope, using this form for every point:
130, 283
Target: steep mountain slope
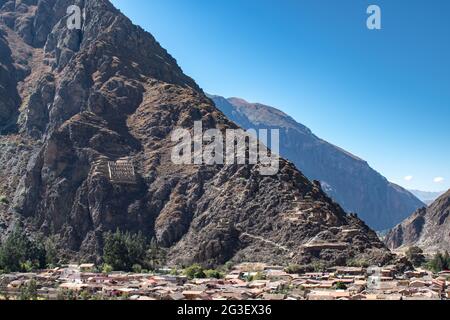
87, 145
346, 178
428, 228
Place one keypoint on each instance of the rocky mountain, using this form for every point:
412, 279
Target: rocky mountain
346, 178
426, 196
86, 118
428, 228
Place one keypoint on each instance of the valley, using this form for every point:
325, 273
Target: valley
121, 179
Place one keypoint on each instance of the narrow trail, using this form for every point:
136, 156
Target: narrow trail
266, 241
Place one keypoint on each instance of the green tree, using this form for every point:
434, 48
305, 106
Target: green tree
123, 250
29, 291
155, 256
415, 256
51, 253
340, 286
439, 262
106, 268
174, 272
214, 274
137, 268
67, 295
447, 260
85, 295
195, 272
20, 254
27, 266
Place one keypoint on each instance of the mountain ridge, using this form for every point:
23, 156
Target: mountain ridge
109, 96
427, 197
345, 177
428, 228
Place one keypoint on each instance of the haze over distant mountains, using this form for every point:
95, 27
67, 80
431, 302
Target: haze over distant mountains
426, 196
348, 179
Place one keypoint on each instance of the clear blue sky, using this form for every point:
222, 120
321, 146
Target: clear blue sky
382, 95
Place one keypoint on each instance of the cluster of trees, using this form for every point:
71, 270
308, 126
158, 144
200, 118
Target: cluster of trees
440, 261
415, 256
19, 253
124, 251
198, 272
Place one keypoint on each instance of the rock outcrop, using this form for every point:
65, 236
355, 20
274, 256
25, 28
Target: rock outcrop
346, 178
428, 228
90, 150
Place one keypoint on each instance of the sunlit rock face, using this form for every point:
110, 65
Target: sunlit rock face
347, 179
83, 100
428, 228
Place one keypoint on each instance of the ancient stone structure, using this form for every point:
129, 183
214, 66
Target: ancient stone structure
118, 172
121, 171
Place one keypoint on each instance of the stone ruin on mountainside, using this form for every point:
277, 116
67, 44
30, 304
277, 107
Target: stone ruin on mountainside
119, 172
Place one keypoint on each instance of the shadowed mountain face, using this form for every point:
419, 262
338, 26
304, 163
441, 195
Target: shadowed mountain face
86, 147
344, 177
428, 228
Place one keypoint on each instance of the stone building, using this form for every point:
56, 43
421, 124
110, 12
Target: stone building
119, 172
